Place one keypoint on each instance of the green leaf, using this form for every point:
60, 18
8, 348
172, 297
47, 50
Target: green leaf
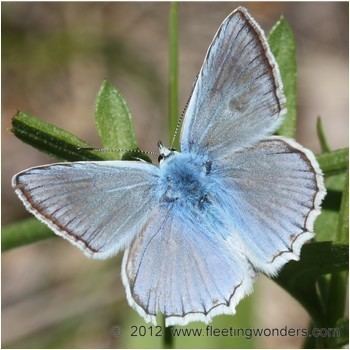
343, 222
336, 183
300, 278
51, 139
282, 44
114, 122
24, 232
326, 223
173, 80
321, 136
334, 162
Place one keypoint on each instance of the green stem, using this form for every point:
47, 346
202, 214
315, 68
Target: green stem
343, 221
168, 340
173, 99
338, 283
334, 162
25, 232
173, 109
322, 136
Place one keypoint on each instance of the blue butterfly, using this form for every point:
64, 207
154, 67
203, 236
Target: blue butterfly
235, 201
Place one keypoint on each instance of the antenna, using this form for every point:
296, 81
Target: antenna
134, 150
179, 121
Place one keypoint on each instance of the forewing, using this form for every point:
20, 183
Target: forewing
274, 191
175, 268
237, 99
97, 206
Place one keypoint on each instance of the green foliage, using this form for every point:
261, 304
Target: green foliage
282, 44
24, 232
299, 278
113, 121
334, 162
317, 281
343, 222
51, 139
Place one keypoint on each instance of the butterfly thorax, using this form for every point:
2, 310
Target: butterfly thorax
185, 181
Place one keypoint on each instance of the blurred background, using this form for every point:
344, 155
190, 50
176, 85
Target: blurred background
54, 58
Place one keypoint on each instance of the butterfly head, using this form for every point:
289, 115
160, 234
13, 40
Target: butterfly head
164, 152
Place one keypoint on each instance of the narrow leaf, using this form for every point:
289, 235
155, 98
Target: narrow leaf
24, 232
334, 162
114, 122
322, 137
282, 43
343, 222
51, 139
326, 223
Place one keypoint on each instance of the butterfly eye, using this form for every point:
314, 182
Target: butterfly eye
161, 157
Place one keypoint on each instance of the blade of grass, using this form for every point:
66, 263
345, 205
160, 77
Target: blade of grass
114, 121
173, 95
321, 136
334, 162
173, 110
50, 139
282, 44
24, 232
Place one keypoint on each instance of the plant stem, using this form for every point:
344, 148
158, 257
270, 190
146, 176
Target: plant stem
343, 221
173, 110
338, 283
334, 162
321, 136
173, 97
24, 232
168, 340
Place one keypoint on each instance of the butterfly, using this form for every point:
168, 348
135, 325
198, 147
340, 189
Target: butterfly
198, 228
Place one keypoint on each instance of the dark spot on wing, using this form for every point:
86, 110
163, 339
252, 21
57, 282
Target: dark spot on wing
208, 165
236, 104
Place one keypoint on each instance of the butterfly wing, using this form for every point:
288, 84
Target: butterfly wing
97, 206
274, 191
176, 268
237, 98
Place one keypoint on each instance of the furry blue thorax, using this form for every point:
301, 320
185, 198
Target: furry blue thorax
185, 181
